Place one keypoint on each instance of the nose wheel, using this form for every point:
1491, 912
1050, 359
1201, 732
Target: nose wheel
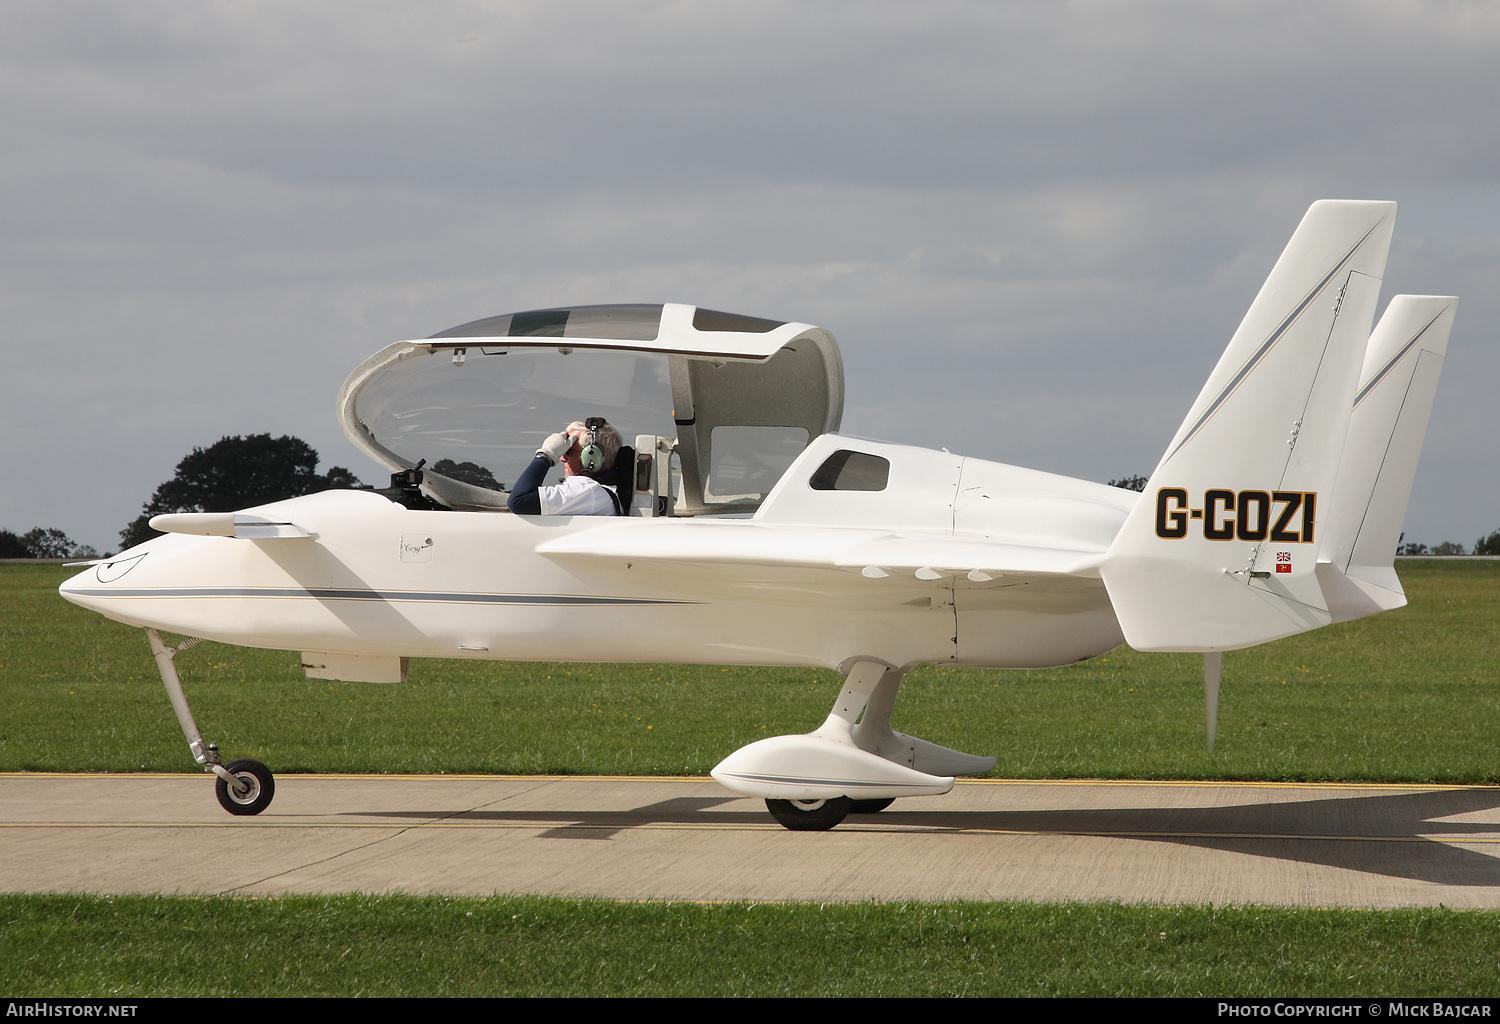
252, 788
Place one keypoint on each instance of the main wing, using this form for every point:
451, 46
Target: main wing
699, 552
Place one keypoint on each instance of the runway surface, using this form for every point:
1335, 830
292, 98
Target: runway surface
655, 838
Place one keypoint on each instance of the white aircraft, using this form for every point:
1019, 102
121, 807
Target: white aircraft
758, 535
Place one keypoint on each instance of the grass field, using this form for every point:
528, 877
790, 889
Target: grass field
408, 946
1406, 696
1409, 695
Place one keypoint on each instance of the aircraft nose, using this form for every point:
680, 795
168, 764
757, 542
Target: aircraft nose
76, 588
85, 588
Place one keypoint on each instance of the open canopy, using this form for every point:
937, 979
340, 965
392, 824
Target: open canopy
742, 396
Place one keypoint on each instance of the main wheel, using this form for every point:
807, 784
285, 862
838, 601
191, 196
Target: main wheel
871, 806
259, 783
810, 815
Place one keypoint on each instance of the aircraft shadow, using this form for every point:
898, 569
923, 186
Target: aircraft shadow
686, 810
1396, 835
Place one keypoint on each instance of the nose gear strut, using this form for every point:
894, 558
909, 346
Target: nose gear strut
244, 786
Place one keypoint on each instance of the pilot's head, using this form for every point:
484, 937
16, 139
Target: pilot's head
605, 436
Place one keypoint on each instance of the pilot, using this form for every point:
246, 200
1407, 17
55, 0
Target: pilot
587, 450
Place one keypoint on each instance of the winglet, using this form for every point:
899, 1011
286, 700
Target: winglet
1222, 550
1386, 429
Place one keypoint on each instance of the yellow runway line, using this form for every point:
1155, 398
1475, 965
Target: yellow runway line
1492, 838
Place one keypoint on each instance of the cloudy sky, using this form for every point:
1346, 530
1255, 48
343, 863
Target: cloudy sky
1032, 226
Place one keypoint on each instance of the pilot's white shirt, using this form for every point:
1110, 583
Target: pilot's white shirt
576, 496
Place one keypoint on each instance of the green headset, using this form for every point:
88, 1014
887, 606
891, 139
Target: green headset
591, 458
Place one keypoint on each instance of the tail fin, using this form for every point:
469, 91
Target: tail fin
1389, 421
1221, 552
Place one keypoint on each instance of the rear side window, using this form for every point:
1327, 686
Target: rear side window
851, 471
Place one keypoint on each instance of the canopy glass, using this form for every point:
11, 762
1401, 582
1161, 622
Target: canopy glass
739, 397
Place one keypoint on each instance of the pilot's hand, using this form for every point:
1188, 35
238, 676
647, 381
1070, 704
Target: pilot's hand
556, 446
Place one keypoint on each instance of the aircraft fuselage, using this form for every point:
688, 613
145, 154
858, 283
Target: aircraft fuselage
377, 578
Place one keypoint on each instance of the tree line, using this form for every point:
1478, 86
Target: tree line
42, 542
1483, 546
238, 472
230, 474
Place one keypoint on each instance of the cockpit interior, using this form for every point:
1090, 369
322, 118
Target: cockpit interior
716, 405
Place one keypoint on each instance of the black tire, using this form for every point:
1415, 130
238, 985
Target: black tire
262, 787
871, 806
810, 815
